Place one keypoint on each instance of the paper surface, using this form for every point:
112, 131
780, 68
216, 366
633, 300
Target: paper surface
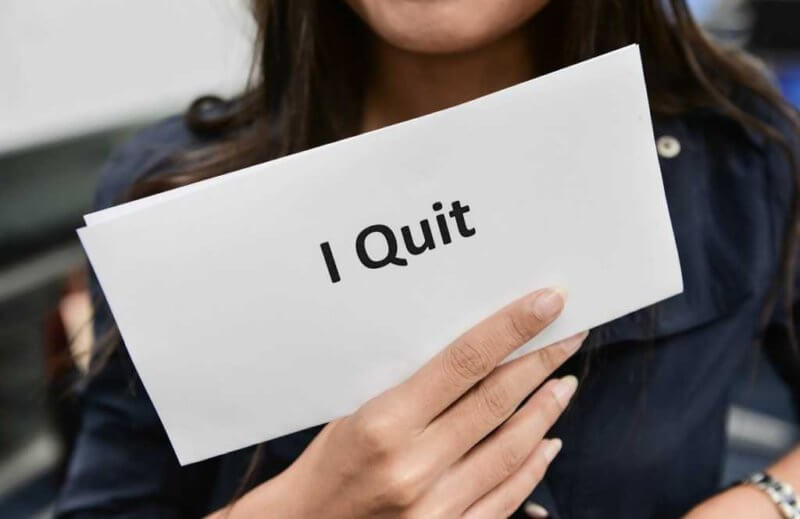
227, 305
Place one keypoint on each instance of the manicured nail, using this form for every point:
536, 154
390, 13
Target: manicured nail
564, 389
549, 303
574, 343
552, 448
536, 510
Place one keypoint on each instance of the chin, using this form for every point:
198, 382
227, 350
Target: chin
444, 26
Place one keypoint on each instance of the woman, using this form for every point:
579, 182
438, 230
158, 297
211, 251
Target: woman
645, 435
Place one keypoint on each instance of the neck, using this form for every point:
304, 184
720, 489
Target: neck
405, 84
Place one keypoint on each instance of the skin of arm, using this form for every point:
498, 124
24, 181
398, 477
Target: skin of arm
743, 501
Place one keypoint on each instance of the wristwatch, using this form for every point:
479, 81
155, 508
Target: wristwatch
782, 494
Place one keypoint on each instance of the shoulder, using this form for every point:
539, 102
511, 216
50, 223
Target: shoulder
141, 156
721, 149
730, 134
738, 176
728, 189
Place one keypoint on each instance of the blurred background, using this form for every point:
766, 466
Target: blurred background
79, 76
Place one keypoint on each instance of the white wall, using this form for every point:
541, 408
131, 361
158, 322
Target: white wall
71, 67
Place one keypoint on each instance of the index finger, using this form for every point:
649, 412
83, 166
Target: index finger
471, 357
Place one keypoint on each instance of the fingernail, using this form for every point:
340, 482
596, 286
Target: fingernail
549, 303
552, 448
564, 389
536, 510
574, 343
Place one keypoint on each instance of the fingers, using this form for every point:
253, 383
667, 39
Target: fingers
490, 402
451, 373
504, 499
504, 452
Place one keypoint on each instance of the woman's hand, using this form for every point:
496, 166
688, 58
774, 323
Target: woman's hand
448, 442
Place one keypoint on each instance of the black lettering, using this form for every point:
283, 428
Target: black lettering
427, 244
333, 270
441, 220
391, 244
458, 213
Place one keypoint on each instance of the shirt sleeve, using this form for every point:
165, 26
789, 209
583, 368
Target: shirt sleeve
122, 464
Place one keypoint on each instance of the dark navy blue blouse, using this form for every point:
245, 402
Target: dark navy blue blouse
645, 435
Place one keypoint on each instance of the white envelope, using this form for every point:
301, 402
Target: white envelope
225, 301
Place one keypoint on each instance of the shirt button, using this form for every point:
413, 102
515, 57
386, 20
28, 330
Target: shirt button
668, 147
